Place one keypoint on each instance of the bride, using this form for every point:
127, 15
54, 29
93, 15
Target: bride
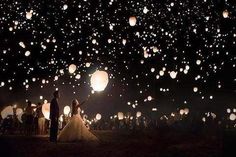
75, 129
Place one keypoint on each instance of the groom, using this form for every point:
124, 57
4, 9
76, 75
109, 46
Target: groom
54, 115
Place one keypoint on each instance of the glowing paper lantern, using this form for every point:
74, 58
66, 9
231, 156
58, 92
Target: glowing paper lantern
186, 111
46, 110
132, 21
138, 114
181, 112
195, 89
228, 110
225, 14
66, 110
232, 117
7, 111
120, 115
29, 14
72, 68
99, 80
98, 116
173, 74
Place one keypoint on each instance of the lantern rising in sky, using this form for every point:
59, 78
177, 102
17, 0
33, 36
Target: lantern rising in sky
72, 68
99, 80
132, 21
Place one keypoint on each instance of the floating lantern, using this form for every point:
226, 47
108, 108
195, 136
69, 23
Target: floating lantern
225, 14
46, 110
98, 116
72, 68
66, 110
132, 21
7, 111
138, 114
181, 112
186, 111
173, 74
232, 117
29, 14
120, 116
99, 80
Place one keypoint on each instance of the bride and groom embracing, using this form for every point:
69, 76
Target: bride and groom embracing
75, 129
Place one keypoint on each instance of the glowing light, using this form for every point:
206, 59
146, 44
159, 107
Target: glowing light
99, 80
7, 111
66, 110
225, 14
27, 53
120, 116
138, 114
132, 21
46, 110
232, 117
98, 116
72, 68
29, 14
173, 74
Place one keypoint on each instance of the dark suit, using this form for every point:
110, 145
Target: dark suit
54, 115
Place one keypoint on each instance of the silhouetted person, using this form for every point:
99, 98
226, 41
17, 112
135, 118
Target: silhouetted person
54, 115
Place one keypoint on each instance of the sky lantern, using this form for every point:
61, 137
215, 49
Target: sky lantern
173, 74
181, 112
66, 110
46, 110
120, 115
232, 117
98, 116
138, 114
29, 14
186, 111
72, 68
99, 80
7, 111
225, 14
132, 21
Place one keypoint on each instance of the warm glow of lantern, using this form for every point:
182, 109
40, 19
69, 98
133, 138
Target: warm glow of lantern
132, 21
19, 113
138, 114
98, 116
232, 117
181, 112
46, 110
120, 115
99, 80
7, 111
66, 110
225, 14
72, 68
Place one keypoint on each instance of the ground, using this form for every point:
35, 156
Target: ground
117, 144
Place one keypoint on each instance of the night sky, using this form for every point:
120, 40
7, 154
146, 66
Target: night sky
178, 54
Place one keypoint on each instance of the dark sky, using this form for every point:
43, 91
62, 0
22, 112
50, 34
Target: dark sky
191, 39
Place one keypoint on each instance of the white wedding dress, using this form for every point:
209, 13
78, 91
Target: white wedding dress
75, 130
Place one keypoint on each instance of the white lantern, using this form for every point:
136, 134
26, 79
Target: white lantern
7, 111
29, 14
99, 80
72, 68
181, 112
132, 21
225, 14
66, 110
173, 74
138, 114
46, 110
98, 116
120, 116
186, 111
232, 117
